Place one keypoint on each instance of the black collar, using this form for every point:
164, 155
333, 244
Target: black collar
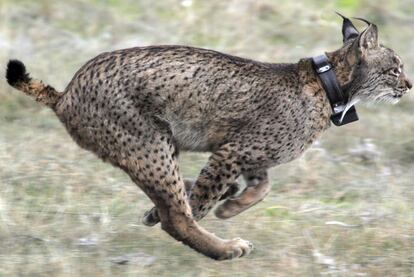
333, 90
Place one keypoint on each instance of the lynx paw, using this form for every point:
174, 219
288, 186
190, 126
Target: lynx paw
236, 248
248, 198
230, 208
151, 217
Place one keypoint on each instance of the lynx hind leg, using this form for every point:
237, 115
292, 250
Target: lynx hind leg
151, 217
257, 188
152, 165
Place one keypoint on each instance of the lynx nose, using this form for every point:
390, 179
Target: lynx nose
408, 84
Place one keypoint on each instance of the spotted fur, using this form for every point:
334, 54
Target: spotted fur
135, 108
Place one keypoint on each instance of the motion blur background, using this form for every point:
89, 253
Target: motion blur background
346, 208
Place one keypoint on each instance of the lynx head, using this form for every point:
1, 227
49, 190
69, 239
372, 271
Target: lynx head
375, 72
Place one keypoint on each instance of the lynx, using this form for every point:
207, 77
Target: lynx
137, 108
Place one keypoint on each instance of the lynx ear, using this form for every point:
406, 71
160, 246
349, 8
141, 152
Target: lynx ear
348, 29
369, 37
366, 41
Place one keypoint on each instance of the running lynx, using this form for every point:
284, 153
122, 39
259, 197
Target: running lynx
136, 108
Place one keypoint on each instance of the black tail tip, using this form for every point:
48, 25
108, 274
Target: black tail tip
16, 72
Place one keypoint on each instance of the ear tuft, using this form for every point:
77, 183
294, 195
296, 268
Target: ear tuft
363, 20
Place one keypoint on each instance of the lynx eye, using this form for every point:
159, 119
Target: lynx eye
394, 71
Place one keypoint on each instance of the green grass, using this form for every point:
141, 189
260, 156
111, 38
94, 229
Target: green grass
63, 212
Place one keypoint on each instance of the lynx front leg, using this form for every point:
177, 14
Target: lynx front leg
216, 181
151, 217
258, 187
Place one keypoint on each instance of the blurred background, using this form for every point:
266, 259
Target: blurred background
346, 208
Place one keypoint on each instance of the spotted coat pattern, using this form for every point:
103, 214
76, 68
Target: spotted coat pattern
136, 108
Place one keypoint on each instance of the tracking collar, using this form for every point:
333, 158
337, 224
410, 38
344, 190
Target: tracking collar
333, 91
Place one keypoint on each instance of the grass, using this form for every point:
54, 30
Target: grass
344, 209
